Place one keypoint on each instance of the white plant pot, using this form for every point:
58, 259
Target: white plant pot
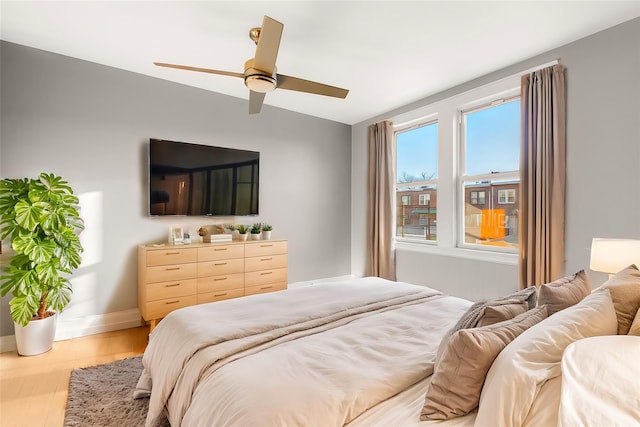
242, 237
37, 337
266, 234
255, 236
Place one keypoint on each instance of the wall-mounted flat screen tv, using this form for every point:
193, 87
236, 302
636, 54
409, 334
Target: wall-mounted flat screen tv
194, 179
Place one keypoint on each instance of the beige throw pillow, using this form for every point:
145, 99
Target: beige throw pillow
500, 313
635, 326
565, 292
457, 381
625, 293
477, 312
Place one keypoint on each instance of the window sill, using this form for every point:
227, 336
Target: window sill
479, 255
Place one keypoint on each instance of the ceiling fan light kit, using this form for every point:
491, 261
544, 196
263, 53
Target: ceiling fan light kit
257, 80
260, 72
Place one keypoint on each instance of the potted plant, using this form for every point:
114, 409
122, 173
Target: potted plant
231, 229
256, 229
266, 231
42, 220
243, 230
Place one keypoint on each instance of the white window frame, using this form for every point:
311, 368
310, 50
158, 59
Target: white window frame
446, 111
503, 98
507, 192
427, 120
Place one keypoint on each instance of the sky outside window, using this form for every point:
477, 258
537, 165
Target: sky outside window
493, 139
417, 154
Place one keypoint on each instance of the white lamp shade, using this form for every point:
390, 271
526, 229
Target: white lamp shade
612, 255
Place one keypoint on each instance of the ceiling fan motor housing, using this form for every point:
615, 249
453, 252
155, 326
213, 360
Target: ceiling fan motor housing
258, 80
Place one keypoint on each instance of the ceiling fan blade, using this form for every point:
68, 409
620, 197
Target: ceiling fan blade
201, 70
255, 101
301, 85
268, 45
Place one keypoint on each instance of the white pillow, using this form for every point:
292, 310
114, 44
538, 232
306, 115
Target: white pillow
519, 371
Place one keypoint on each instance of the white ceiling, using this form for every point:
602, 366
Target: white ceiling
388, 53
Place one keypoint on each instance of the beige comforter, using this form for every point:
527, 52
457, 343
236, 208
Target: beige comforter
320, 355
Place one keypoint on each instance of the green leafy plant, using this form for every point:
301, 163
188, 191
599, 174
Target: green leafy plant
256, 228
41, 217
230, 227
267, 227
242, 228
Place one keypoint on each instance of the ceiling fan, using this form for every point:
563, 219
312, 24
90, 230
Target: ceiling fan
260, 72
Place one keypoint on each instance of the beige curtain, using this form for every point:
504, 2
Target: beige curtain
381, 193
542, 167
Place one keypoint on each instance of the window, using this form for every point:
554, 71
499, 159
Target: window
417, 175
453, 157
490, 163
477, 197
507, 196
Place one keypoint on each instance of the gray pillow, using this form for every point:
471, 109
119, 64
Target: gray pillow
477, 312
565, 292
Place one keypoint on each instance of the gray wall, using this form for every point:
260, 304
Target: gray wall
90, 124
603, 158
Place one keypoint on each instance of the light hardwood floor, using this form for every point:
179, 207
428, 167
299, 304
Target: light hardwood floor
33, 390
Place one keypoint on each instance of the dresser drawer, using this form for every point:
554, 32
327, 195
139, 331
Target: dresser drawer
220, 283
167, 273
261, 289
159, 309
263, 277
171, 256
172, 289
218, 252
220, 295
267, 262
265, 248
221, 267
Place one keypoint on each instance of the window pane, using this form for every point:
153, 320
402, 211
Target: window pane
416, 212
492, 139
488, 221
417, 154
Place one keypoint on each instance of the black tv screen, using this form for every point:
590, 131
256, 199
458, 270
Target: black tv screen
194, 179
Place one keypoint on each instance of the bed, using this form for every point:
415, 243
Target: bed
364, 352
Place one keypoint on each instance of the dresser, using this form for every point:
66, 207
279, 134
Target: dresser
172, 277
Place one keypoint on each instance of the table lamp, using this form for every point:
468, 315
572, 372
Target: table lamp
613, 255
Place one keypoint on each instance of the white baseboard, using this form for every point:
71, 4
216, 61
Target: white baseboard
320, 281
83, 326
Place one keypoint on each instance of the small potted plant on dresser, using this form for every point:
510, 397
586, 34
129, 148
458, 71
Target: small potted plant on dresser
243, 231
41, 217
256, 229
266, 231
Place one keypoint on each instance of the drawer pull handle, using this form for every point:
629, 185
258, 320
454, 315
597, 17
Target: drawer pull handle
172, 302
172, 253
220, 263
220, 249
172, 285
265, 246
173, 268
266, 259
220, 295
219, 279
266, 287
266, 272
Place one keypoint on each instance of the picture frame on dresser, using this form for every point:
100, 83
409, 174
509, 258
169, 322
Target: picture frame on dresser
176, 236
